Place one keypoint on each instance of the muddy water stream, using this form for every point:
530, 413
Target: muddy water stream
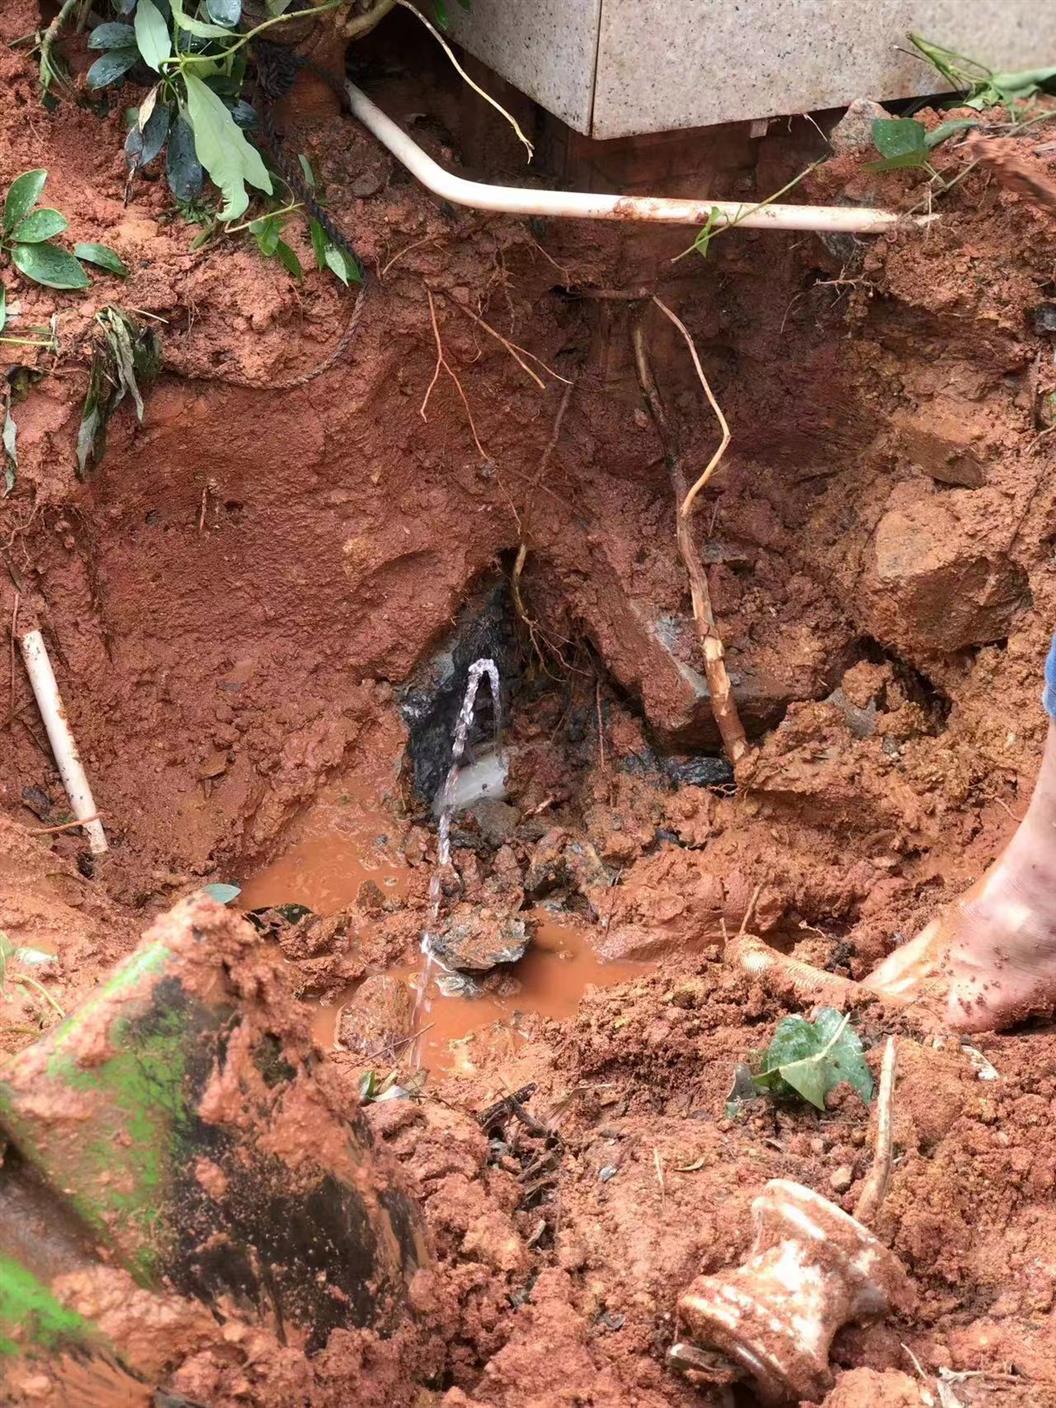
351, 844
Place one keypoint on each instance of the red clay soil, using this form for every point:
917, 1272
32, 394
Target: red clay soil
233, 595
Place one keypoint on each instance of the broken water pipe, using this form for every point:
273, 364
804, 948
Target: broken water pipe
453, 796
67, 758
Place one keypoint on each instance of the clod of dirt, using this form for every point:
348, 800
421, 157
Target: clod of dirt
866, 1388
378, 1018
932, 588
474, 938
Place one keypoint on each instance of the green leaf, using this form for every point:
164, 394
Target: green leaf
112, 36
900, 141
22, 196
183, 170
199, 28
102, 255
345, 268
287, 257
225, 12
3, 307
152, 35
703, 239
440, 14
110, 67
945, 130
266, 232
320, 243
222, 148
306, 171
49, 265
812, 1058
223, 894
39, 225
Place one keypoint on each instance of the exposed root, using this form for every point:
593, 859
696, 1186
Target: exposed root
788, 978
516, 352
690, 499
723, 703
465, 76
872, 1195
441, 361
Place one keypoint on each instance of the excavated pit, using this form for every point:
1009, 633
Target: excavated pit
241, 600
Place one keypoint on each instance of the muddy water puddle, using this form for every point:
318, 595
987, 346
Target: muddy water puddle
326, 870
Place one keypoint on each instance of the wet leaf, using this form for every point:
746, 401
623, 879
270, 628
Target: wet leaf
103, 256
266, 232
306, 171
147, 137
223, 894
244, 114
341, 264
39, 225
183, 170
225, 12
287, 257
110, 67
22, 196
49, 265
320, 243
812, 1058
222, 149
200, 28
3, 307
112, 36
152, 35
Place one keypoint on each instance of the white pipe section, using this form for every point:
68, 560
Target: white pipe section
71, 770
664, 210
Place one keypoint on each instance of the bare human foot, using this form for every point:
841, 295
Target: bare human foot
989, 959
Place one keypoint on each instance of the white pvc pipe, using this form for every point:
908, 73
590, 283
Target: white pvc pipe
67, 758
665, 210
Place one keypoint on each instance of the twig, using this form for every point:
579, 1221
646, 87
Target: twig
414, 244
728, 222
391, 1047
66, 826
872, 1195
362, 24
516, 352
465, 76
723, 704
441, 361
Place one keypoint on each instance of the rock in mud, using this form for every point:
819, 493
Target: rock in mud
868, 1388
474, 938
378, 1018
564, 865
934, 588
942, 441
854, 131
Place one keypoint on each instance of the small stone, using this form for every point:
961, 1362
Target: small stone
609, 1171
1044, 319
841, 1178
854, 131
474, 939
496, 820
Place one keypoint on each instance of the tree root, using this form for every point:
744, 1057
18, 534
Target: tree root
723, 704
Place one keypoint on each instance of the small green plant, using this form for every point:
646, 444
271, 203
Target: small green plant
717, 222
127, 354
28, 230
978, 86
806, 1060
373, 1089
904, 142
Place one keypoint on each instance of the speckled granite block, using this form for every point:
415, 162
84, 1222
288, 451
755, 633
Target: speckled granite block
616, 68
